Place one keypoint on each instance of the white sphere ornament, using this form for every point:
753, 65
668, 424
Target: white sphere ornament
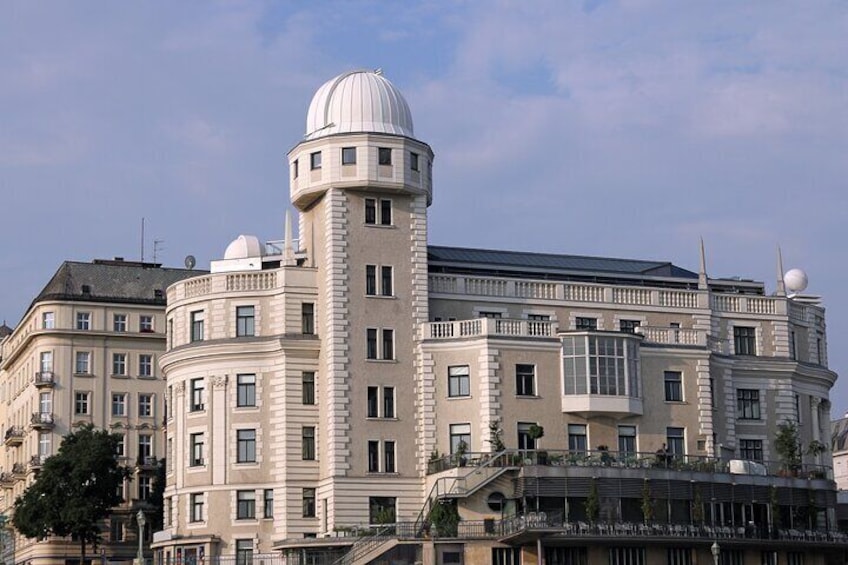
795, 280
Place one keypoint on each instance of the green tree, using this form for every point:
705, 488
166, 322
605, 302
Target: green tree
157, 498
788, 446
75, 490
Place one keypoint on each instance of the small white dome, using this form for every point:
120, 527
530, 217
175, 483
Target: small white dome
358, 101
795, 280
243, 247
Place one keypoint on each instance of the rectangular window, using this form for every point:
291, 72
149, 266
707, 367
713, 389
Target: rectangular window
382, 509
196, 503
196, 443
307, 310
386, 286
385, 212
308, 502
245, 321
586, 324
244, 552
245, 504
268, 503
198, 395
145, 323
246, 440
525, 380
676, 441
246, 390
459, 381
296, 168
679, 556
370, 211
46, 361
525, 439
751, 449
768, 557
577, 439
119, 404
119, 322
748, 404
116, 529
627, 440
744, 340
119, 364
384, 155
348, 155
371, 343
373, 456
82, 403
121, 446
145, 365
795, 558
512, 556
197, 319
628, 326
308, 393
308, 443
460, 433
145, 486
492, 315
373, 402
388, 344
48, 320
83, 320
370, 280
315, 160
145, 447
388, 402
413, 161
673, 386
82, 364
389, 456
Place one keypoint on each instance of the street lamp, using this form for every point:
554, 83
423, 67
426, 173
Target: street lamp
716, 551
141, 521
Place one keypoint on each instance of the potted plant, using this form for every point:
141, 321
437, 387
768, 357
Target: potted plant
593, 503
496, 436
459, 454
606, 458
788, 448
535, 433
444, 519
647, 503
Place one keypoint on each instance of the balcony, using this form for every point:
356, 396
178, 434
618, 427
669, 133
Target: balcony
42, 421
19, 471
146, 463
7, 480
14, 436
44, 379
490, 327
36, 462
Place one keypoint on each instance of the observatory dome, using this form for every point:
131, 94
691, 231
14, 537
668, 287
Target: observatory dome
356, 102
243, 247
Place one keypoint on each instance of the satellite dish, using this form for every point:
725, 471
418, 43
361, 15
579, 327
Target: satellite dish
190, 262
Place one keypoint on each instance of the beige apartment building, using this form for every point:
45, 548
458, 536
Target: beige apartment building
357, 396
86, 352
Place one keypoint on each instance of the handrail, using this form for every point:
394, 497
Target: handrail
363, 545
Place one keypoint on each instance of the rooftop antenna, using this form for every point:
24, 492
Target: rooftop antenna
157, 247
142, 239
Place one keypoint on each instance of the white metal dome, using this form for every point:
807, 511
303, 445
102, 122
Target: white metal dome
243, 247
358, 101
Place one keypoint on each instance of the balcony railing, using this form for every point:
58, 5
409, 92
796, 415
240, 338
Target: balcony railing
148, 462
492, 327
44, 379
628, 460
36, 462
14, 436
19, 470
42, 420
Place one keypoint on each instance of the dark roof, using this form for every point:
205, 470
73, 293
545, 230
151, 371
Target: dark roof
128, 282
839, 439
5, 330
524, 261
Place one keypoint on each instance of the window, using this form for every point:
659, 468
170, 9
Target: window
525, 380
493, 315
605, 365
145, 447
116, 530
525, 440
388, 402
308, 393
413, 161
308, 443
748, 404
768, 557
144, 487
744, 340
268, 503
512, 556
386, 288
628, 326
245, 321
389, 456
370, 211
732, 557
626, 440
373, 402
145, 323
196, 442
296, 168
197, 319
82, 403
679, 556
348, 155
373, 456
577, 438
388, 344
121, 446
371, 280
245, 505
385, 212
119, 364
198, 394
145, 365
384, 155
246, 390
673, 386
196, 503
119, 404
46, 361
119, 322
751, 449
315, 160
586, 324
459, 433
48, 320
82, 363
459, 381
381, 509
371, 346
307, 310
627, 556
308, 502
675, 441
45, 445
244, 552
83, 320
795, 558
246, 440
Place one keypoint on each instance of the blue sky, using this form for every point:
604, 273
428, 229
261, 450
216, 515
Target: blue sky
619, 128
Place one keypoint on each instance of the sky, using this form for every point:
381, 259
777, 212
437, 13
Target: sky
626, 128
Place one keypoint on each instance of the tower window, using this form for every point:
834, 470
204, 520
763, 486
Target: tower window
385, 212
295, 168
307, 310
348, 155
378, 215
384, 156
413, 161
315, 160
745, 340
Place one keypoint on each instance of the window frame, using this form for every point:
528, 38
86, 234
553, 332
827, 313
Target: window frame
197, 323
119, 364
246, 390
414, 161
78, 357
119, 404
197, 447
315, 161
673, 386
457, 433
119, 322
268, 503
145, 365
745, 340
307, 318
585, 324
525, 379
348, 156
48, 320
245, 321
384, 156
82, 403
83, 321
146, 323
197, 396
751, 449
246, 445
196, 507
246, 504
748, 404
308, 446
308, 390
456, 380
308, 499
